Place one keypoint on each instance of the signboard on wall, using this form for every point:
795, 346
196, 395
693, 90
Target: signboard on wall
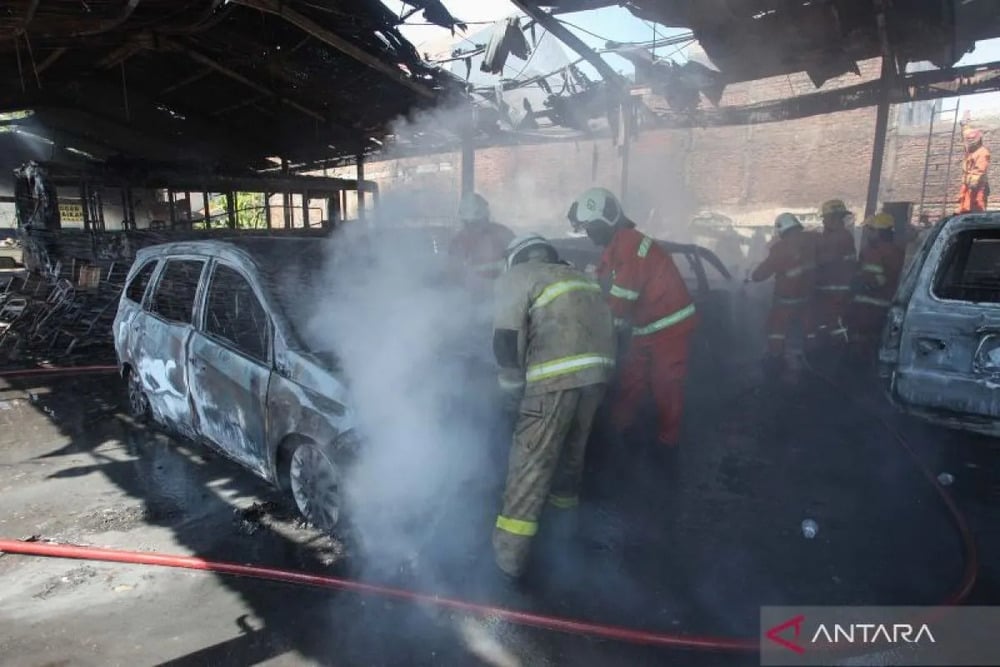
71, 212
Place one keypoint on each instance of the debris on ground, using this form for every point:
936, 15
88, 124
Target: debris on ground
945, 479
809, 529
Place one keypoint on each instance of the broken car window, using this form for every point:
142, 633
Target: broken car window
175, 292
137, 287
970, 270
235, 315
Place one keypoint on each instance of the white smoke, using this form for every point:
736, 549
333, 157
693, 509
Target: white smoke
415, 348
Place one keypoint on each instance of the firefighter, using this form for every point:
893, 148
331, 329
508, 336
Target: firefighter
554, 343
654, 315
975, 189
836, 258
478, 248
791, 260
880, 266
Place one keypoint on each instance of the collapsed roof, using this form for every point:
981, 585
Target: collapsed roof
753, 39
233, 82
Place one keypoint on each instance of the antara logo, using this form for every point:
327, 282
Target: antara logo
854, 633
873, 633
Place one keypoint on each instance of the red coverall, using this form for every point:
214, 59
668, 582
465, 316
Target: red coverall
647, 293
975, 182
878, 274
792, 262
480, 250
836, 258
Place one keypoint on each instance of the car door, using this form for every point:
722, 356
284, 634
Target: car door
164, 335
230, 367
128, 322
949, 352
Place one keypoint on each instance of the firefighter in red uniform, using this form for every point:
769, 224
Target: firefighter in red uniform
654, 315
791, 260
836, 258
880, 266
478, 249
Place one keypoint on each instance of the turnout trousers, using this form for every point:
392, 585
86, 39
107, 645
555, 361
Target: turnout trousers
781, 319
653, 367
546, 466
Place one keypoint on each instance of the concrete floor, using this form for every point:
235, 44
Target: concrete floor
696, 558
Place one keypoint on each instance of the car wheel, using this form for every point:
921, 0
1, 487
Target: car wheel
138, 404
315, 480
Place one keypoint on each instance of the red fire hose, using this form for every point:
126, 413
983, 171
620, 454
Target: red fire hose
554, 623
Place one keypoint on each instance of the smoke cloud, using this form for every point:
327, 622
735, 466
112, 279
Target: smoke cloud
415, 348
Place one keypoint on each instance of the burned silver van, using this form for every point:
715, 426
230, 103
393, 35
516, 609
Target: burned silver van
940, 349
209, 349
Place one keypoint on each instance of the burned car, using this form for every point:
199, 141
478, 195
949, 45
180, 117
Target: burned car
940, 349
208, 350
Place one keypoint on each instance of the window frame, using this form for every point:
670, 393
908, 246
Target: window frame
198, 294
201, 322
954, 252
153, 280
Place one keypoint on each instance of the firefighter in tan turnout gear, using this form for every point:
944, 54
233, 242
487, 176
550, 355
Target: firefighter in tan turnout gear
554, 342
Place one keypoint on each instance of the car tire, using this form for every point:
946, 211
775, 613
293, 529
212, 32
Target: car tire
138, 404
315, 484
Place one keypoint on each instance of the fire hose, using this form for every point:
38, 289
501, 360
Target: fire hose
541, 621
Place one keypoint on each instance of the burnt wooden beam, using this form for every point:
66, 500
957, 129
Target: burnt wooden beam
202, 59
197, 76
336, 41
51, 59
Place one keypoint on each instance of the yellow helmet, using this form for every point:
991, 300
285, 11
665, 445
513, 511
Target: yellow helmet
833, 207
880, 221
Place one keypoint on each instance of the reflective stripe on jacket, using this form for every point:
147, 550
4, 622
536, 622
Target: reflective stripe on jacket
879, 269
792, 261
566, 336
645, 289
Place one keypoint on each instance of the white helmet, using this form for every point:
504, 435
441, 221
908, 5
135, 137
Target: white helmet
473, 208
786, 222
595, 205
517, 249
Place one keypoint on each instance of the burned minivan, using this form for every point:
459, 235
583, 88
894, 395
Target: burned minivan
208, 350
940, 347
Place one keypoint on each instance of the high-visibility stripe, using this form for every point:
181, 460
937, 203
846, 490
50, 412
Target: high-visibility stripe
565, 366
799, 270
509, 384
776, 336
556, 290
517, 526
623, 293
563, 502
834, 288
873, 268
790, 301
849, 258
872, 301
644, 246
664, 322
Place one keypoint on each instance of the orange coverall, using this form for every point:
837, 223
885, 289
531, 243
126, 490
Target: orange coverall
975, 182
647, 293
878, 277
792, 262
836, 258
480, 249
